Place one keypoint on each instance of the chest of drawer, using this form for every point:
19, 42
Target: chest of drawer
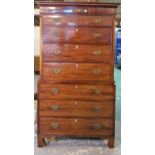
76, 126
77, 53
73, 108
77, 72
77, 35
75, 21
96, 92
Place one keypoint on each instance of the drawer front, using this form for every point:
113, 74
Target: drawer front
74, 20
98, 92
77, 53
61, 108
76, 126
77, 10
77, 72
77, 35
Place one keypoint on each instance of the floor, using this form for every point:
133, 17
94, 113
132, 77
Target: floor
66, 146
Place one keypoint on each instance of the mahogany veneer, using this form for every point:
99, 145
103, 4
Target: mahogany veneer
76, 90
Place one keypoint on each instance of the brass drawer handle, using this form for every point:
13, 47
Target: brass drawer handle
55, 107
97, 52
79, 10
56, 70
98, 91
97, 71
98, 21
56, 34
56, 20
55, 125
56, 51
55, 90
96, 126
97, 35
97, 109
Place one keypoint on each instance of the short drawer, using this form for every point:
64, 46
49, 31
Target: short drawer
77, 53
75, 21
96, 92
84, 10
77, 71
77, 35
76, 126
73, 108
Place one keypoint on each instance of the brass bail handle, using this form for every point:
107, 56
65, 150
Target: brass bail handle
56, 20
97, 35
55, 90
55, 125
98, 21
55, 107
97, 71
97, 52
97, 109
56, 51
98, 91
56, 70
96, 126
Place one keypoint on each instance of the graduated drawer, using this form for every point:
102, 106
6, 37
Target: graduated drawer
77, 35
77, 71
76, 126
77, 53
74, 20
84, 10
61, 108
98, 92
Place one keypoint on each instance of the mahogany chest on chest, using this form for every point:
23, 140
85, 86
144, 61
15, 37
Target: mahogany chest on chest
76, 90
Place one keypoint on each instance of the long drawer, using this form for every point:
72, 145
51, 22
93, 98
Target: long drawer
77, 71
97, 92
77, 53
77, 35
73, 20
77, 10
76, 126
73, 108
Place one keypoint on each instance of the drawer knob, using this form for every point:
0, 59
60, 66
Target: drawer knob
96, 126
55, 107
56, 20
98, 21
97, 109
55, 90
56, 70
97, 35
97, 52
55, 125
56, 52
98, 91
97, 71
